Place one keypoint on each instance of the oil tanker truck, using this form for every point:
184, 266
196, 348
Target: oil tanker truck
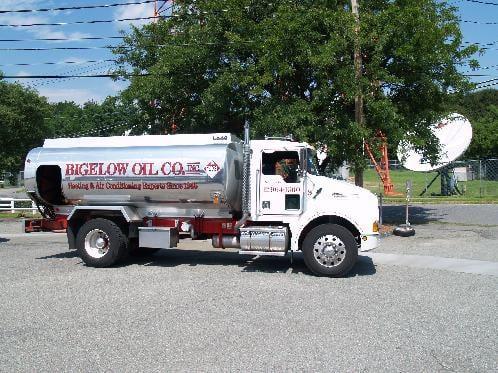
145, 193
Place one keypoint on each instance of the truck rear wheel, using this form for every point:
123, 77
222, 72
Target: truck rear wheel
101, 243
330, 250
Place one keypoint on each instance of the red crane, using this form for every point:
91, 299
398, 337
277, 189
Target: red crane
382, 166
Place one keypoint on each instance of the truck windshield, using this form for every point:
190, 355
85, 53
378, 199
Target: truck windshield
311, 167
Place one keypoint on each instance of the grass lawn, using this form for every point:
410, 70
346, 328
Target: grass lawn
18, 215
475, 191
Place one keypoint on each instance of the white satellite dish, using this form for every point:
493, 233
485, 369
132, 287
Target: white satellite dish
454, 133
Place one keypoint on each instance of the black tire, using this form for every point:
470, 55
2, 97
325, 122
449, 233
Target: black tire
404, 231
330, 250
115, 246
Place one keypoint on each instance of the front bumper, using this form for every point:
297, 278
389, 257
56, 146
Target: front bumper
369, 241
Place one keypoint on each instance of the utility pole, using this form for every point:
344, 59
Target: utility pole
358, 101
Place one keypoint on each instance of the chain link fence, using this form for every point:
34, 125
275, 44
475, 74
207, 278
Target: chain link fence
482, 175
464, 180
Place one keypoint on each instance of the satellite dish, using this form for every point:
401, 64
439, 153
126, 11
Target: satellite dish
454, 133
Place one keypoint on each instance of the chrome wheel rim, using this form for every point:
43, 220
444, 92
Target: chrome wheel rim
329, 251
97, 243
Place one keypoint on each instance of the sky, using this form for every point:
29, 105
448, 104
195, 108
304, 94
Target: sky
81, 90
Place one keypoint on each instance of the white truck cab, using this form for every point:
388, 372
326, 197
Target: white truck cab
305, 199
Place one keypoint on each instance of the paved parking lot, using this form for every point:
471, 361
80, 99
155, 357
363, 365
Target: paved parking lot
196, 310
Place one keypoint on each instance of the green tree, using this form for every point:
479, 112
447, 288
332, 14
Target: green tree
22, 124
66, 119
481, 108
111, 117
287, 66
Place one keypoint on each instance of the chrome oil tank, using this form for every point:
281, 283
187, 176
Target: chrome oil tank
174, 171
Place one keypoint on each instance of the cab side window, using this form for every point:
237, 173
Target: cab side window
283, 163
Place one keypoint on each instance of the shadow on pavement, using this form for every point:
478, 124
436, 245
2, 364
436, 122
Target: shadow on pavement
265, 264
364, 267
4, 239
395, 214
247, 263
64, 255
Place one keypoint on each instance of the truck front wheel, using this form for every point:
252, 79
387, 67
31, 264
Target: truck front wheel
330, 250
101, 243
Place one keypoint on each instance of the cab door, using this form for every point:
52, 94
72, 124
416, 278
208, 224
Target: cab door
282, 183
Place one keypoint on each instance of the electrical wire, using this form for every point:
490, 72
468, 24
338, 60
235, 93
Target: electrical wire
67, 76
57, 63
485, 86
64, 39
486, 81
59, 48
479, 22
81, 22
482, 68
482, 2
128, 47
75, 7
80, 70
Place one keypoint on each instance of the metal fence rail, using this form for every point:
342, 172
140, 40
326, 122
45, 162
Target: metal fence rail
17, 205
474, 179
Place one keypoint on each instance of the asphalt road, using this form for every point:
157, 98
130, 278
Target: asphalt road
196, 310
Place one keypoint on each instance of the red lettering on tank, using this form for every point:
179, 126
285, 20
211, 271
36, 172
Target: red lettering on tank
122, 168
193, 168
138, 169
69, 169
177, 168
111, 169
166, 168
150, 169
83, 169
93, 169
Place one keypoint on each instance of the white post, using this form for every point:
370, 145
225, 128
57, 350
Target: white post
12, 206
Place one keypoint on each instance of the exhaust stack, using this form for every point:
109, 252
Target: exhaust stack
246, 178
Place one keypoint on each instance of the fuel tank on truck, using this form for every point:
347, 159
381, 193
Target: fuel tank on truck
180, 174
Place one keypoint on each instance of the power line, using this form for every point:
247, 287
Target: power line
64, 39
68, 76
475, 75
486, 81
482, 2
57, 63
58, 48
478, 43
75, 7
482, 68
80, 70
80, 22
479, 22
130, 47
485, 86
